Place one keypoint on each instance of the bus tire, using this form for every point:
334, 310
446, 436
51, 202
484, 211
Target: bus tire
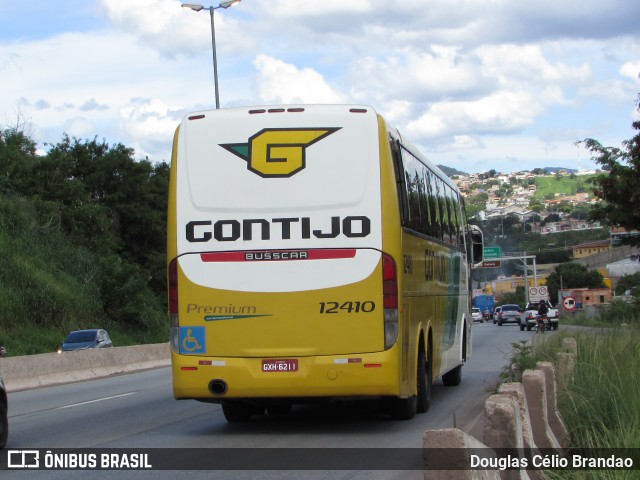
453, 377
4, 425
424, 381
237, 411
403, 408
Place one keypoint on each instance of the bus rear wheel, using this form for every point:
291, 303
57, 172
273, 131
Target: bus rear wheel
403, 408
424, 382
406, 408
453, 377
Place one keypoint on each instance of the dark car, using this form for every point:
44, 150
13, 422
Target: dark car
84, 339
510, 313
4, 421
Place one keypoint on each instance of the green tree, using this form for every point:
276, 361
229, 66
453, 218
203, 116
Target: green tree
554, 217
618, 186
17, 153
629, 282
573, 275
101, 199
517, 297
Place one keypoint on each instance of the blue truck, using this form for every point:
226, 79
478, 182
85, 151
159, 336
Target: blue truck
484, 303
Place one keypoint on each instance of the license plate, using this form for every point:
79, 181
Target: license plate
280, 365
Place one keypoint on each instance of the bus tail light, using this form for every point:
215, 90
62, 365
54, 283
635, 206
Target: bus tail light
173, 305
390, 300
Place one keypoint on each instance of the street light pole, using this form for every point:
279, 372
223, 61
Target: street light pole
196, 7
215, 59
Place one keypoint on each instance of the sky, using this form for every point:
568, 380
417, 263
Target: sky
477, 85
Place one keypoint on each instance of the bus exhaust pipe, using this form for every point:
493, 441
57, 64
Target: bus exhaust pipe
218, 387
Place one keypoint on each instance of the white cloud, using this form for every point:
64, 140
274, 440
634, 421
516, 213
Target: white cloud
280, 82
297, 8
498, 112
149, 125
79, 127
510, 63
420, 76
631, 70
465, 81
170, 29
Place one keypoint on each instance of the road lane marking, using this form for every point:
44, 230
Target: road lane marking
96, 400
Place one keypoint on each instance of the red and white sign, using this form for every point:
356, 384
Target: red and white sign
569, 303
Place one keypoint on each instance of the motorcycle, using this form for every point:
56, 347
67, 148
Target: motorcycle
487, 315
3, 351
542, 323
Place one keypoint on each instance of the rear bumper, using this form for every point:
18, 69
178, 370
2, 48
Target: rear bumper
509, 320
358, 375
531, 321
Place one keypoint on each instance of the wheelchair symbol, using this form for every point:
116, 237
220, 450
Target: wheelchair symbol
192, 339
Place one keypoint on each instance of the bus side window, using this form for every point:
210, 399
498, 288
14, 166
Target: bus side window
435, 209
401, 180
442, 210
453, 219
414, 189
424, 201
455, 207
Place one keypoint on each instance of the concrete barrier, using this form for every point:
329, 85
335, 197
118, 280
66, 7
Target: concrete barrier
535, 391
556, 424
453, 450
522, 416
33, 371
516, 390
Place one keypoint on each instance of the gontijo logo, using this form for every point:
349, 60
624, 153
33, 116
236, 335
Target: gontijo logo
278, 152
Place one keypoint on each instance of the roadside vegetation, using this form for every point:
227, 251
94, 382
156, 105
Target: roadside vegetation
82, 238
600, 402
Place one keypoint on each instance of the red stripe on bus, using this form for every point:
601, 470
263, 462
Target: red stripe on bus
328, 254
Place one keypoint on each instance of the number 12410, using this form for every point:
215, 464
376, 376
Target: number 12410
347, 307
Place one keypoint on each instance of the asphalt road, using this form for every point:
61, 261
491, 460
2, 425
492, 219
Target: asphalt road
137, 411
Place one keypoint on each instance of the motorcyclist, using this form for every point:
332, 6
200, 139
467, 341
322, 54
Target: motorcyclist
487, 314
542, 312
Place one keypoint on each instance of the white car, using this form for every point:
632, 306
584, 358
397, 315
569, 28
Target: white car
476, 314
528, 320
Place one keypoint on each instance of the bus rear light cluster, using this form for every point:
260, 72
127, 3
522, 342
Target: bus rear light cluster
390, 300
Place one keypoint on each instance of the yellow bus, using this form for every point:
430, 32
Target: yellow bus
313, 254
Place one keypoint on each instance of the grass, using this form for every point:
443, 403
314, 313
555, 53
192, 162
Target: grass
617, 314
561, 185
603, 400
600, 402
49, 286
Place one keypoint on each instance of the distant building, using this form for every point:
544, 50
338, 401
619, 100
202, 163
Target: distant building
588, 296
590, 248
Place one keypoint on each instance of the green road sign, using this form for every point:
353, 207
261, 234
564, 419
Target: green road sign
491, 253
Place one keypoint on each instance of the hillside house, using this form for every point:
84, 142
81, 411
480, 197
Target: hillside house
590, 248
